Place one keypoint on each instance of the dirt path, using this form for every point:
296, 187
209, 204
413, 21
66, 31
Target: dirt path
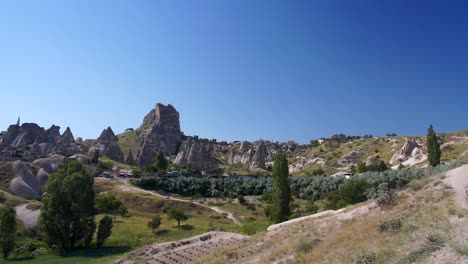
128, 187
458, 179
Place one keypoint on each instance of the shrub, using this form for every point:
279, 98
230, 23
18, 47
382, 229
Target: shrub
393, 224
154, 223
241, 199
306, 245
370, 258
104, 230
353, 191
388, 199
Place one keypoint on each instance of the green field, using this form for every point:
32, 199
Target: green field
132, 232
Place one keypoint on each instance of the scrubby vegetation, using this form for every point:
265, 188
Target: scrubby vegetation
338, 191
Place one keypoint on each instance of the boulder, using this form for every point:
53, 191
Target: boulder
20, 188
42, 176
26, 184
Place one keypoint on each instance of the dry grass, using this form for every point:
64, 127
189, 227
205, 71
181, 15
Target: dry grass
430, 221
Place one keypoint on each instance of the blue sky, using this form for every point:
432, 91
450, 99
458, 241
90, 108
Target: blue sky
235, 70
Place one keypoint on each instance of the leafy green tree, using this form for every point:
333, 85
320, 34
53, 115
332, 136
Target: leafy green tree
67, 213
160, 164
104, 230
433, 147
178, 215
154, 223
281, 194
7, 230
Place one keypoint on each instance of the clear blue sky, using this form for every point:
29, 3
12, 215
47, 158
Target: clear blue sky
236, 70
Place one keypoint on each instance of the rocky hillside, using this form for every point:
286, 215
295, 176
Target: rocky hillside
160, 130
425, 223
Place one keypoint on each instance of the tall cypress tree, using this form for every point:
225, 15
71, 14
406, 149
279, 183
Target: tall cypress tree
7, 230
281, 195
433, 147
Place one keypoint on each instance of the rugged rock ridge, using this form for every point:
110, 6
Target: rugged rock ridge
37, 141
107, 146
211, 155
160, 131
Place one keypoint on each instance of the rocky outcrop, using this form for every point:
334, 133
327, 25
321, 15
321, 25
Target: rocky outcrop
67, 137
197, 152
160, 131
31, 177
405, 152
36, 141
258, 161
303, 162
26, 184
107, 146
350, 158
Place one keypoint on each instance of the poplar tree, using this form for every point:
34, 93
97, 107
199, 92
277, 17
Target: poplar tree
433, 147
7, 230
281, 194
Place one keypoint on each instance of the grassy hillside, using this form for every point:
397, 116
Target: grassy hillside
128, 141
422, 225
383, 147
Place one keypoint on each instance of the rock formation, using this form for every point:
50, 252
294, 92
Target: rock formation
258, 161
107, 146
197, 152
31, 177
405, 151
36, 141
350, 158
160, 131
